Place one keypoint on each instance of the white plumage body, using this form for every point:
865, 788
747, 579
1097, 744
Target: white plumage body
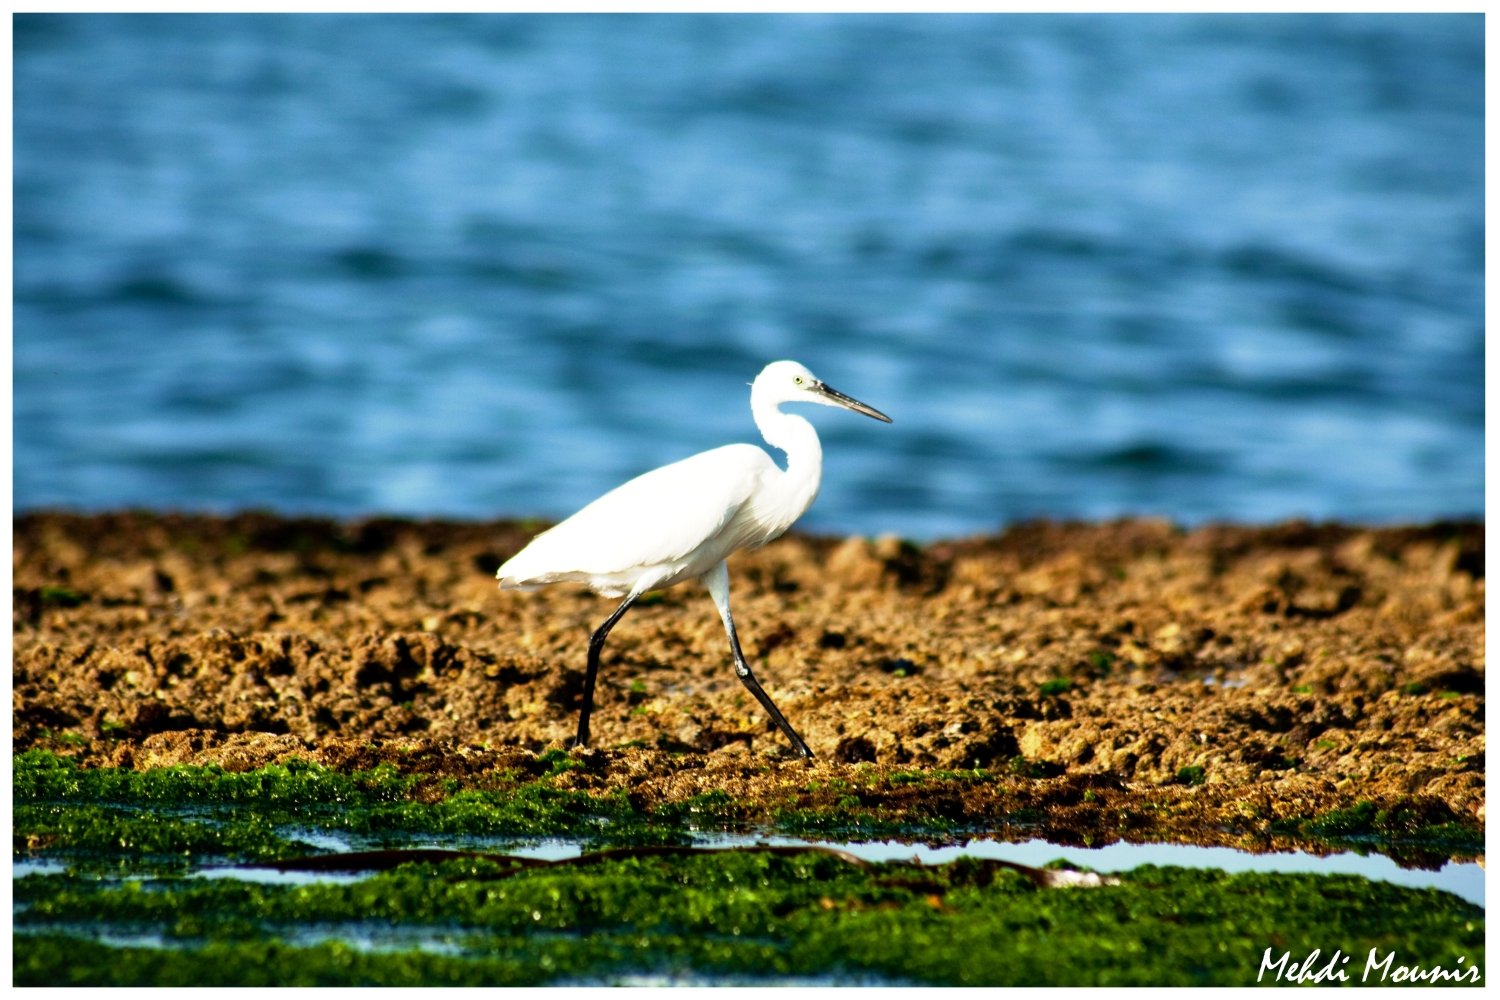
630, 538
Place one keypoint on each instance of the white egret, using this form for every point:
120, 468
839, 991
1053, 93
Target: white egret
682, 521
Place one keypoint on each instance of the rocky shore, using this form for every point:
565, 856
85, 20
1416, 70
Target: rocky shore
1117, 679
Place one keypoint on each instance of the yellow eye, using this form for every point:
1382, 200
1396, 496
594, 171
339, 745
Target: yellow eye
796, 379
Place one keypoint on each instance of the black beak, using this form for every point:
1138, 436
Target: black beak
848, 402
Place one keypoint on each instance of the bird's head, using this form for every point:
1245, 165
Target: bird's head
791, 382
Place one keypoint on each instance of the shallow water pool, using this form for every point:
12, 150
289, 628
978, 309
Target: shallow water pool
1464, 879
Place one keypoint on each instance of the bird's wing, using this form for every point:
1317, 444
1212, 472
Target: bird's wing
659, 518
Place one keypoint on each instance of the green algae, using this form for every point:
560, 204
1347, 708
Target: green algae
1193, 774
1402, 832
129, 911
736, 916
194, 811
90, 829
66, 808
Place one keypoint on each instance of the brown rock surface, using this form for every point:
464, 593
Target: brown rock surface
1301, 667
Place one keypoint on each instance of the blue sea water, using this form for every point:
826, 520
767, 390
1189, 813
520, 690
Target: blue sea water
1200, 267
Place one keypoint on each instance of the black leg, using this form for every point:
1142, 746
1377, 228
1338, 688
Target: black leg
596, 645
743, 669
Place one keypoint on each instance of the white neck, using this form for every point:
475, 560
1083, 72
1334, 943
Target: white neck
798, 486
